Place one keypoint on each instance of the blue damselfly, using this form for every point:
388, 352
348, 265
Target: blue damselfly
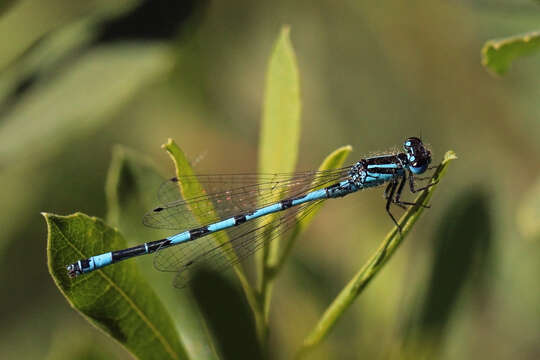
231, 203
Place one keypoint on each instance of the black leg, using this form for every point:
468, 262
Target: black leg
400, 189
397, 198
387, 190
389, 201
389, 194
411, 184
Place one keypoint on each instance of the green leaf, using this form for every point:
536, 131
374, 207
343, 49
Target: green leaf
116, 299
334, 160
79, 99
529, 212
497, 55
279, 138
280, 128
204, 212
388, 247
132, 183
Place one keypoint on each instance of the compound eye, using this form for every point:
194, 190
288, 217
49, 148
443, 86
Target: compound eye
412, 143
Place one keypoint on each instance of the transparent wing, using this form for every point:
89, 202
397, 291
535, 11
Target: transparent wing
245, 239
230, 195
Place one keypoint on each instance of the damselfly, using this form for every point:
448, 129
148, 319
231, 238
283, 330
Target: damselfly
232, 203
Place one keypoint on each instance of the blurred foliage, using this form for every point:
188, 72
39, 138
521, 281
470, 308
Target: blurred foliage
498, 55
81, 100
529, 212
5, 5
372, 74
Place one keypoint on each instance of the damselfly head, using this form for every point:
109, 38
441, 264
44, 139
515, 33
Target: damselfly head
418, 155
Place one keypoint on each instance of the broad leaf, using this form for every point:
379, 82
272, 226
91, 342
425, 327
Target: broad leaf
117, 299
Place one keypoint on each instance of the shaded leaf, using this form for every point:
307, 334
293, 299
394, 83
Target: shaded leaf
228, 316
498, 55
131, 185
463, 244
116, 299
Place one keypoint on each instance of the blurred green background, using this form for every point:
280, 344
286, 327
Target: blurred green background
76, 78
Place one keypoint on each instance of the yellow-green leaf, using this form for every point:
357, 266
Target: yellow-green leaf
497, 55
280, 128
279, 138
334, 160
205, 211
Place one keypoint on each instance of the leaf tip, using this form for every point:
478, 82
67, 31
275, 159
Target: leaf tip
450, 155
286, 30
169, 145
